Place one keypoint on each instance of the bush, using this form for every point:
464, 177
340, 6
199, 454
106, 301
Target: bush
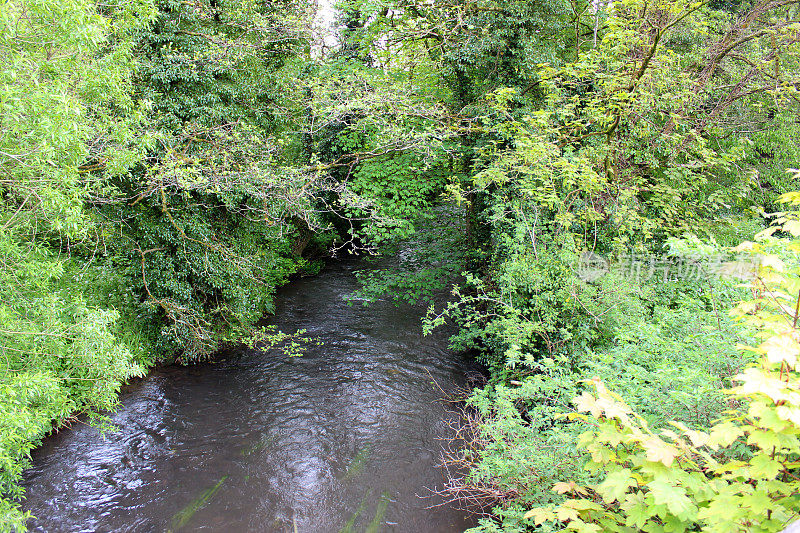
738, 475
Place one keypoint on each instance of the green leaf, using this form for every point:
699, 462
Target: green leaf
764, 467
674, 497
616, 485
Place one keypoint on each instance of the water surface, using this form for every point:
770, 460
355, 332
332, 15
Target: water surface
344, 438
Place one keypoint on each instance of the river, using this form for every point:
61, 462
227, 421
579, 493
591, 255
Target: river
344, 438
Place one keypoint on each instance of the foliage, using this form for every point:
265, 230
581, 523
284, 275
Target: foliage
645, 122
467, 49
402, 186
691, 478
673, 363
205, 246
605, 164
773, 150
165, 166
218, 62
65, 72
668, 350
212, 220
533, 304
421, 266
641, 135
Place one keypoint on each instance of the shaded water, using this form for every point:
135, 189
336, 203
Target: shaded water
343, 438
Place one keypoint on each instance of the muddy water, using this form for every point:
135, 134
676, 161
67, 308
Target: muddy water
343, 438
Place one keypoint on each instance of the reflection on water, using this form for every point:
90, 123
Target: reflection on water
341, 439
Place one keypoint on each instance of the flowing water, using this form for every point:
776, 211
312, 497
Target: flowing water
344, 438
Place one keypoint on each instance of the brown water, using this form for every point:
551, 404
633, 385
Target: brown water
343, 437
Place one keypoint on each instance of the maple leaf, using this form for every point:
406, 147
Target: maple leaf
698, 438
565, 514
757, 381
725, 434
563, 487
760, 502
614, 409
766, 440
781, 348
610, 434
659, 451
582, 527
763, 466
674, 497
540, 515
582, 505
768, 417
637, 511
790, 414
616, 485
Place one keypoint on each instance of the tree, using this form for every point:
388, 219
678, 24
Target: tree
216, 216
65, 78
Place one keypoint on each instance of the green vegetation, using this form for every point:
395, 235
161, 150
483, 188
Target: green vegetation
740, 473
358, 463
583, 171
351, 522
184, 516
377, 521
65, 100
